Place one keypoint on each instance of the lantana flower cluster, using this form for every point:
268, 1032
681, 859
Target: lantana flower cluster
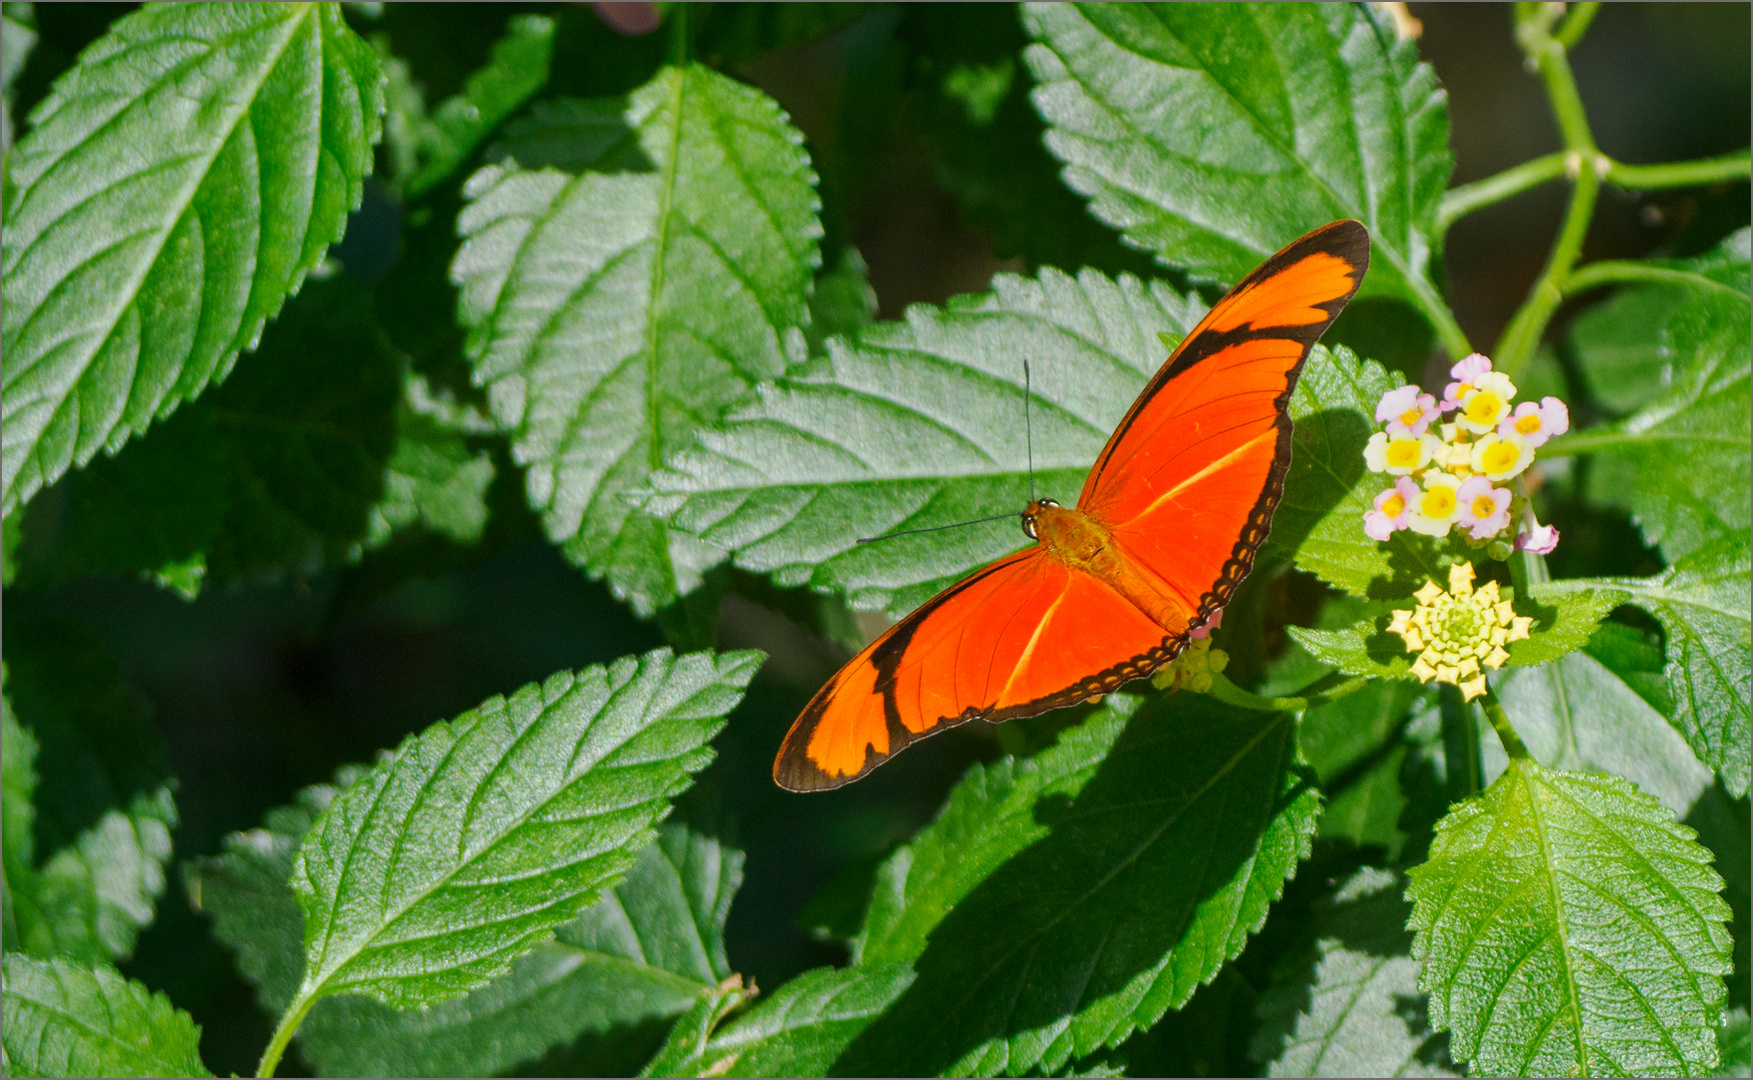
1454, 462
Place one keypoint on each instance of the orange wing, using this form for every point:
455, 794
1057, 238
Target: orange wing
1189, 480
1185, 490
993, 646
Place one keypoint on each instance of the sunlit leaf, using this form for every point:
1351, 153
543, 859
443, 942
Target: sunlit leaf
646, 950
920, 423
798, 1030
615, 311
479, 837
63, 1019
1214, 134
176, 184
1568, 926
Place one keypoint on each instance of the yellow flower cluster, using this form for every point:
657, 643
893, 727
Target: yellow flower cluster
1459, 633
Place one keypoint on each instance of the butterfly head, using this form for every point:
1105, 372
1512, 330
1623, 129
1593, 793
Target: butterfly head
1031, 512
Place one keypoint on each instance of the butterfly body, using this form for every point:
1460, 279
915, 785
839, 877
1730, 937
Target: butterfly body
1166, 527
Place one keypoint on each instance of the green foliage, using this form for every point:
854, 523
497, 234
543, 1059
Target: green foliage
246, 138
910, 425
1683, 458
542, 799
1340, 1008
85, 856
276, 472
1569, 926
601, 362
428, 149
645, 950
63, 1019
1090, 888
614, 312
1701, 602
1211, 135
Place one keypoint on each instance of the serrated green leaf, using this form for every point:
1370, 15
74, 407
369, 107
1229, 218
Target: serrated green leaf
615, 312
219, 147
1685, 456
1576, 714
1625, 346
1062, 902
275, 472
648, 949
799, 1029
1635, 656
1568, 926
1702, 604
63, 1019
918, 423
434, 871
1351, 1006
1213, 134
517, 70
103, 812
434, 478
1363, 648
1355, 747
692, 1031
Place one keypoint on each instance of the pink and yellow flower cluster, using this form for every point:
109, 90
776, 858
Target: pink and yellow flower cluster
1454, 463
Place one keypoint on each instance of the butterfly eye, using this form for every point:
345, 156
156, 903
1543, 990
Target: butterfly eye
1029, 527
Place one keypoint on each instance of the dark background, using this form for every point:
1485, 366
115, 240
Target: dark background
261, 690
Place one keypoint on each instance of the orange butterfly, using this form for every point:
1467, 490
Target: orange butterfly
1167, 526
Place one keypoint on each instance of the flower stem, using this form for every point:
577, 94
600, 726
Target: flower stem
1461, 201
289, 1022
1615, 271
1583, 162
1231, 694
1500, 723
1735, 166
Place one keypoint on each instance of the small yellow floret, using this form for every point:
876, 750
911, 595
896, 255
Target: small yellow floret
1460, 633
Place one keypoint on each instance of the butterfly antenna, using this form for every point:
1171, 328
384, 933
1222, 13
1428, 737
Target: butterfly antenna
938, 528
1028, 429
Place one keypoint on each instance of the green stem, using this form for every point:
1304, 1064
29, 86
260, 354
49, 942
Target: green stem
1576, 21
1735, 166
1231, 694
1461, 201
1587, 165
1460, 746
1614, 271
681, 48
289, 1022
1500, 723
